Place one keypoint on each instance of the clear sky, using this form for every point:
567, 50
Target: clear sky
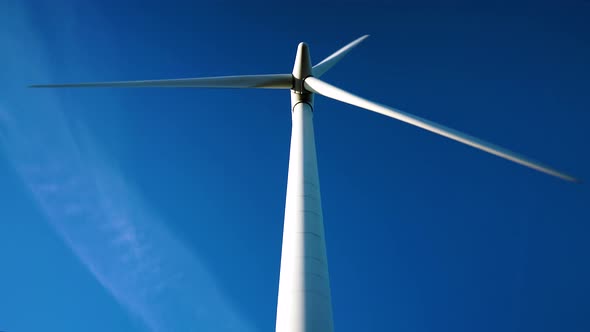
162, 209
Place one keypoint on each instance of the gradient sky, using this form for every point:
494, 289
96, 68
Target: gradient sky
162, 209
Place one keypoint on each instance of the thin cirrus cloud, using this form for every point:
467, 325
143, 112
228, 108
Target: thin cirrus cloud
104, 221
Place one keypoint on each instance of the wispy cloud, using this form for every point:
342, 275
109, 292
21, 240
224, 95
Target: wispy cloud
100, 216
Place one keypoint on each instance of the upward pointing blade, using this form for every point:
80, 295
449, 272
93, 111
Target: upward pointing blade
272, 81
329, 62
315, 85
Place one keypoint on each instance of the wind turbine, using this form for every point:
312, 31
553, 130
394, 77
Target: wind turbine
304, 299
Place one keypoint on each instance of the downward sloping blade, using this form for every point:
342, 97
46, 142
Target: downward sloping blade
272, 81
315, 85
329, 62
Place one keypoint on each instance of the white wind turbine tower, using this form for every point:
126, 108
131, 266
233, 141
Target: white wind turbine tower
304, 300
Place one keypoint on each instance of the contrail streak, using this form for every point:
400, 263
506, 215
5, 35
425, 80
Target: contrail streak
100, 216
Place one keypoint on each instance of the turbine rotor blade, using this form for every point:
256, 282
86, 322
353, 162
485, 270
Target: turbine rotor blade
315, 85
272, 81
329, 62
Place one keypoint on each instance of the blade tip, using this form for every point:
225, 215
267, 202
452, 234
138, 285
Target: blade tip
571, 179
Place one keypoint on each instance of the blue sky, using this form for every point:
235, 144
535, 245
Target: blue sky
162, 209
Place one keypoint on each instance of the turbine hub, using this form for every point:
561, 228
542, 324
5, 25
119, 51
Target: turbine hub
301, 70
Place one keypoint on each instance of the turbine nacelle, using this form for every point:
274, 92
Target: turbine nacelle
302, 69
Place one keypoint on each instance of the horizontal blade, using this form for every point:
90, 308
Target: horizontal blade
273, 81
329, 62
315, 85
